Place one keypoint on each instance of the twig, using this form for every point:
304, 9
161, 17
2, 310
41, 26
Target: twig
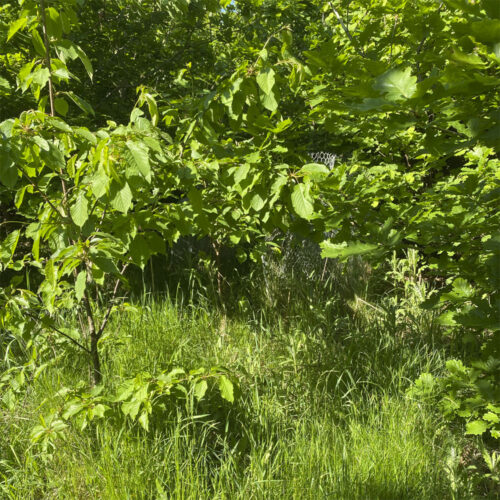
393, 34
51, 88
287, 27
23, 223
359, 299
47, 56
44, 196
359, 50
61, 333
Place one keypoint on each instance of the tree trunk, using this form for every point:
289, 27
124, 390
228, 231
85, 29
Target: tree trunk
94, 334
96, 375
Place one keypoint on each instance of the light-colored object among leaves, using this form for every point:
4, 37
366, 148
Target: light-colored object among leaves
324, 157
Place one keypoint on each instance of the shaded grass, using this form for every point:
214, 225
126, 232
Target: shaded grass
322, 411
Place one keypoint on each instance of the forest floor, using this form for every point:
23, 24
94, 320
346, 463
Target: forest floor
322, 411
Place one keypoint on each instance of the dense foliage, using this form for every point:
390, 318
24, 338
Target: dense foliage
130, 124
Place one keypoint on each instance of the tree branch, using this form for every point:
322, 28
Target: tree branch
60, 333
346, 31
44, 196
47, 56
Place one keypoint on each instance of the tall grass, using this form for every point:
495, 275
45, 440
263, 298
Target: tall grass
323, 363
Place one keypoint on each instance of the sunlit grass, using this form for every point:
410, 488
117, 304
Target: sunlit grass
322, 410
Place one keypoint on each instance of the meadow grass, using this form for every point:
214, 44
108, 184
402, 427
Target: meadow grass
322, 410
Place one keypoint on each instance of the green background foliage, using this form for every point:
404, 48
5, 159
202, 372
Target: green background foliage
130, 126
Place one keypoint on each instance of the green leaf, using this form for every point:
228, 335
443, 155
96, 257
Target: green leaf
241, 173
16, 26
456, 368
226, 388
80, 284
124, 391
85, 61
316, 171
121, 197
131, 408
200, 389
41, 143
98, 411
153, 109
106, 264
51, 272
54, 23
346, 249
156, 242
4, 84
195, 196
41, 77
79, 209
144, 420
61, 106
491, 417
266, 80
462, 288
8, 170
8, 246
476, 427
66, 50
257, 203
140, 251
53, 158
302, 201
100, 183
487, 31
469, 59
59, 124
81, 103
37, 42
396, 84
72, 409
447, 319
86, 134
138, 158
269, 101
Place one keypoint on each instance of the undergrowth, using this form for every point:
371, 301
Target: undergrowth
323, 366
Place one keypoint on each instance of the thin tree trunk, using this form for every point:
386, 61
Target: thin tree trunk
96, 375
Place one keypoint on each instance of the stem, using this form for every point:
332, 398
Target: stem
96, 333
47, 56
287, 27
393, 34
51, 86
52, 327
59, 212
151, 268
215, 246
359, 50
96, 375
